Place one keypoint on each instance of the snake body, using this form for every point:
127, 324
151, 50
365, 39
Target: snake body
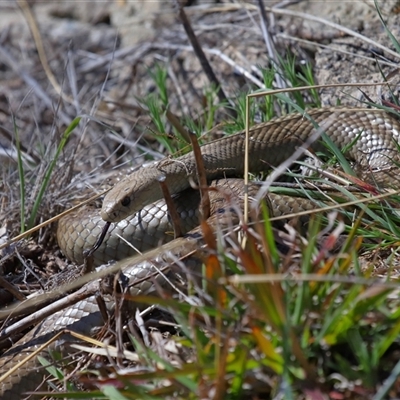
370, 137
151, 226
83, 316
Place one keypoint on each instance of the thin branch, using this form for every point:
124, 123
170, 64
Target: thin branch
202, 58
280, 83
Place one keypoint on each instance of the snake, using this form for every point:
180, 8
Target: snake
370, 134
368, 137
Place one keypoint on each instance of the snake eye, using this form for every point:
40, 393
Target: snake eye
126, 201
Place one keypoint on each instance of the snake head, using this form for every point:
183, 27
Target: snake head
118, 203
128, 197
115, 212
132, 193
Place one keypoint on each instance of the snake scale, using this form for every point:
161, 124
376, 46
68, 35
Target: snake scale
369, 135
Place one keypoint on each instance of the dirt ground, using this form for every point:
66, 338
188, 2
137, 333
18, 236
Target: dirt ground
97, 54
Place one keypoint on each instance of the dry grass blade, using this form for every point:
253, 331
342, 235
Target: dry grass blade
202, 58
176, 221
202, 177
30, 357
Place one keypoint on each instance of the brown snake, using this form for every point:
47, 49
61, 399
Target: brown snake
372, 134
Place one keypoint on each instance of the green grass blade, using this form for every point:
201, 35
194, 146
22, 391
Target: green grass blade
388, 384
21, 174
50, 169
392, 38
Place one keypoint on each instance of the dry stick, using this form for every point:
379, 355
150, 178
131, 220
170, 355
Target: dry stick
335, 206
12, 289
202, 58
335, 26
104, 349
180, 91
173, 119
30, 18
132, 53
34, 302
192, 138
201, 177
296, 14
23, 4
102, 306
216, 52
51, 220
259, 278
86, 291
175, 218
246, 167
286, 3
30, 356
337, 50
280, 83
119, 301
325, 86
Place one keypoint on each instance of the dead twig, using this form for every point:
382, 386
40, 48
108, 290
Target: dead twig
202, 177
175, 218
280, 83
67, 300
202, 58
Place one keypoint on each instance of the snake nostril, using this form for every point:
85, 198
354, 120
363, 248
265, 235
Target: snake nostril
126, 201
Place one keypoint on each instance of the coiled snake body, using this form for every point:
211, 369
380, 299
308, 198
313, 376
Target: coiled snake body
370, 137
